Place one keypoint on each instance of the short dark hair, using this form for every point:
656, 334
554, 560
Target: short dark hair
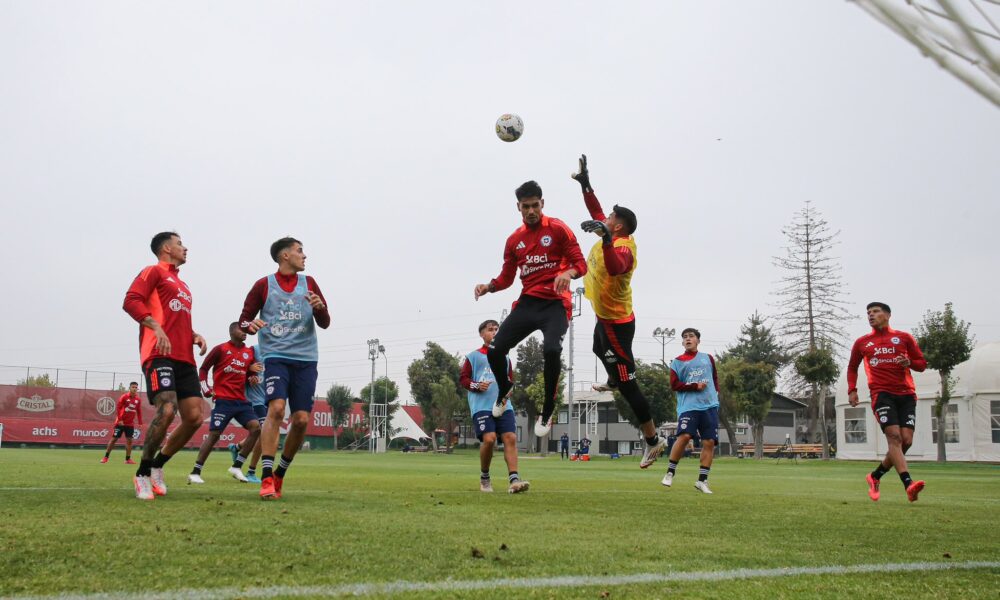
627, 217
282, 244
234, 324
696, 333
159, 239
486, 324
135, 383
528, 189
881, 305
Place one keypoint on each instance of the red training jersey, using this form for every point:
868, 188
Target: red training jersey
128, 410
158, 292
258, 295
229, 364
541, 253
879, 350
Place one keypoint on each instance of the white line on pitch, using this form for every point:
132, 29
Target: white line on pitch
569, 581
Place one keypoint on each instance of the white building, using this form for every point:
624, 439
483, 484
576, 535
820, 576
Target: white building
972, 422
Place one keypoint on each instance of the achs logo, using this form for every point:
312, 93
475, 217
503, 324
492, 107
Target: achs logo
105, 406
874, 362
520, 246
36, 404
277, 329
894, 340
546, 240
176, 305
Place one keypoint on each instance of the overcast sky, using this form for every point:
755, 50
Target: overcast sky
365, 129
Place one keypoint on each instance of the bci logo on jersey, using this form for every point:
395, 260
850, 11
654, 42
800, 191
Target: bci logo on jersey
880, 351
536, 259
289, 315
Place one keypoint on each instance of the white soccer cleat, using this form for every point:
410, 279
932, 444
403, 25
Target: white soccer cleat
195, 478
499, 407
702, 486
518, 486
542, 430
485, 485
143, 487
238, 475
159, 486
668, 479
652, 453
602, 387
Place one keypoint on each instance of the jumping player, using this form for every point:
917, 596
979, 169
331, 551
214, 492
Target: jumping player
233, 367
477, 378
889, 355
608, 285
290, 306
546, 253
126, 414
694, 377
161, 303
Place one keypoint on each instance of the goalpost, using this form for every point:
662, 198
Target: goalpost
961, 37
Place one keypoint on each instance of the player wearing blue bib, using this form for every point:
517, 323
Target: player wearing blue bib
693, 376
477, 378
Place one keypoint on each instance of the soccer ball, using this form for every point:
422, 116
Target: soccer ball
509, 127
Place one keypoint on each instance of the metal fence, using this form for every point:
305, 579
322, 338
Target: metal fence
71, 378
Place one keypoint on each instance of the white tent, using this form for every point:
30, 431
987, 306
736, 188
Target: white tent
972, 422
405, 427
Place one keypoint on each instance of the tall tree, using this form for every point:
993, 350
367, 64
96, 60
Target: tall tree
819, 369
341, 401
446, 404
654, 381
535, 394
946, 343
42, 380
426, 372
385, 391
528, 370
811, 309
751, 385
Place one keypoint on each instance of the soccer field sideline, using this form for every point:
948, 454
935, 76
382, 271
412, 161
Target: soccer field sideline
405, 587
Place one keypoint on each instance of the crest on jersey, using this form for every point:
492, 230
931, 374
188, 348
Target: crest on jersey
894, 340
245, 355
546, 240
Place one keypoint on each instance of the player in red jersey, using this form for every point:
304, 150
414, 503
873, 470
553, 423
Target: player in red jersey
889, 355
546, 253
126, 414
233, 365
161, 303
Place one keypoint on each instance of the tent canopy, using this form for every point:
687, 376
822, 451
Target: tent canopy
405, 427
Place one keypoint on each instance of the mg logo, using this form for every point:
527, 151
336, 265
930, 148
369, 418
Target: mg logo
106, 406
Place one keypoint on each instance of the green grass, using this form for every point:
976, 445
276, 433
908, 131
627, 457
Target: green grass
357, 518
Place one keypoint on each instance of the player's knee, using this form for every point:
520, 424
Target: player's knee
300, 420
894, 438
510, 439
489, 440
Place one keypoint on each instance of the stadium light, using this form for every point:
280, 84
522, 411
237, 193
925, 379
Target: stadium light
663, 334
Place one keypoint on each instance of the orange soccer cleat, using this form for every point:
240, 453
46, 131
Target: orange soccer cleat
278, 481
873, 492
913, 489
267, 491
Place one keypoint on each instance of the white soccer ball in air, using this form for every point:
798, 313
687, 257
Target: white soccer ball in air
509, 127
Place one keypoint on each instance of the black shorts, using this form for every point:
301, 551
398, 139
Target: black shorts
532, 314
613, 345
891, 409
168, 375
128, 430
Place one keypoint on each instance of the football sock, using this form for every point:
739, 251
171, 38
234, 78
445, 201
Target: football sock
238, 463
671, 467
108, 453
550, 374
282, 466
197, 469
703, 473
879, 472
652, 441
161, 459
251, 471
145, 468
513, 476
498, 364
484, 475
905, 478
128, 456
267, 463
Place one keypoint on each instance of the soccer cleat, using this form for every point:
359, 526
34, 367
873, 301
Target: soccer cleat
267, 489
143, 487
873, 492
603, 387
485, 485
195, 478
652, 453
668, 479
499, 406
543, 430
129, 461
159, 486
913, 489
517, 486
104, 460
234, 451
253, 479
278, 481
702, 486
237, 474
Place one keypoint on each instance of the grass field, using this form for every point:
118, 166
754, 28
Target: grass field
417, 526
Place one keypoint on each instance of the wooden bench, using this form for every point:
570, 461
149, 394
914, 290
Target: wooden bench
783, 450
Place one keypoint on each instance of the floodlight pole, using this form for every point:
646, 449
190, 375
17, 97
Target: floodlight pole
577, 311
372, 356
663, 334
